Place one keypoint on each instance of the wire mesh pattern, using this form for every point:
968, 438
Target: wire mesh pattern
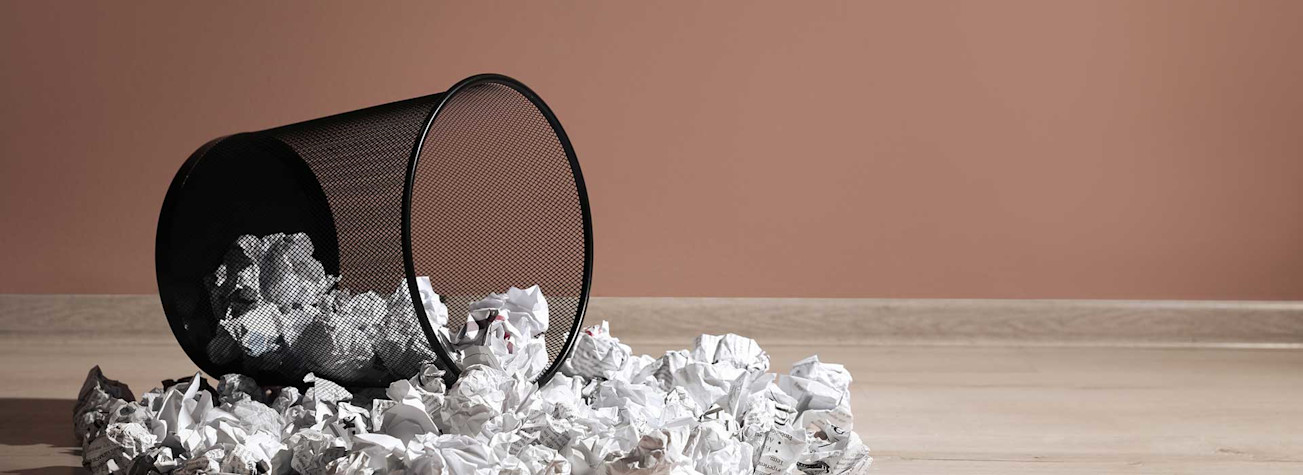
495, 204
360, 159
277, 227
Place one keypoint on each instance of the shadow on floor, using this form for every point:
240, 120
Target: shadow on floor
38, 422
50, 471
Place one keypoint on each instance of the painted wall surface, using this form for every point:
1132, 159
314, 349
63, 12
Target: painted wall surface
995, 149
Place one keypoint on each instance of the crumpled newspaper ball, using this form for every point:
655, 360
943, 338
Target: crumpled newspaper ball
96, 402
597, 354
312, 450
116, 447
526, 309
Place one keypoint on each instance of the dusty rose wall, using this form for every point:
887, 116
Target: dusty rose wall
1002, 149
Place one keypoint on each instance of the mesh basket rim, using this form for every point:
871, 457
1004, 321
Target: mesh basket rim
440, 351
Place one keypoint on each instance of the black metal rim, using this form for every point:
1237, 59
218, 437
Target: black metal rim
413, 162
162, 259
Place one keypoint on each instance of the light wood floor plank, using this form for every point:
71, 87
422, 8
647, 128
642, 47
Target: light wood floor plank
921, 409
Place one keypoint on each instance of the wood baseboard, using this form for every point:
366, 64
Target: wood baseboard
802, 320
945, 321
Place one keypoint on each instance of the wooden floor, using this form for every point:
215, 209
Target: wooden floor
940, 409
922, 408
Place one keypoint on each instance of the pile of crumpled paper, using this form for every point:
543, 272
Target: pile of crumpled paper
714, 409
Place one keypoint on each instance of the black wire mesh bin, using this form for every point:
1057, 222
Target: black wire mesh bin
319, 246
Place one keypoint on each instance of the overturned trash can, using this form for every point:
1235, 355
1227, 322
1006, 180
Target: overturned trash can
355, 246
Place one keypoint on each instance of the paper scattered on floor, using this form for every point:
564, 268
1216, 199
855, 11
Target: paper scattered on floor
711, 409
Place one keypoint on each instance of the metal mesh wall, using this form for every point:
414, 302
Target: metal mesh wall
495, 202
360, 159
